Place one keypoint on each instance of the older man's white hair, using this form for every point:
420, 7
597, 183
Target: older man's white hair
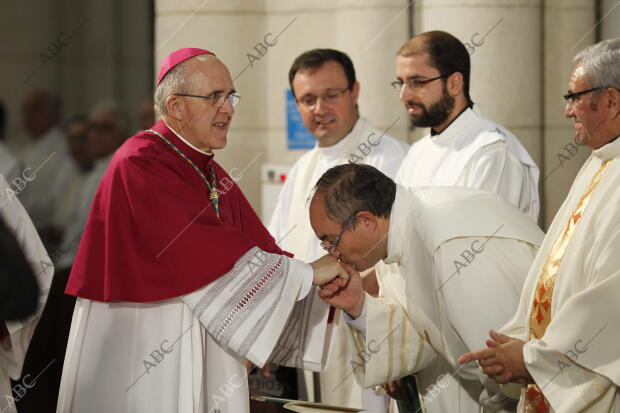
601, 63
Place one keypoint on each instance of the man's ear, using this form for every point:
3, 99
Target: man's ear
174, 107
455, 84
613, 105
367, 219
355, 92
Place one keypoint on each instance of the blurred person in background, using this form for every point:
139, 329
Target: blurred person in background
45, 158
91, 142
146, 114
10, 167
101, 136
66, 205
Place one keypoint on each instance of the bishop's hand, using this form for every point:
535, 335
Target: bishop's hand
328, 268
347, 296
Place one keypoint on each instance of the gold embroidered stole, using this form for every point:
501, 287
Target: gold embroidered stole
540, 316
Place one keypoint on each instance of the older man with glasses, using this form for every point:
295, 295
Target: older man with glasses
326, 90
561, 346
177, 281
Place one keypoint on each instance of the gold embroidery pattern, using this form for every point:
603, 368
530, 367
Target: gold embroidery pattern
540, 316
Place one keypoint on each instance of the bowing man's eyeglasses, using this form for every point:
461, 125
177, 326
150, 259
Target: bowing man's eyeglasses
414, 83
217, 99
329, 245
329, 96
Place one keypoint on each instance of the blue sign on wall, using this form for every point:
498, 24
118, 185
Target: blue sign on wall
298, 136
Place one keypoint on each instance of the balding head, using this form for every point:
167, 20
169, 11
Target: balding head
353, 198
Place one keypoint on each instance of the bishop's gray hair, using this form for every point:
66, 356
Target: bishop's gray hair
174, 82
350, 188
601, 63
177, 80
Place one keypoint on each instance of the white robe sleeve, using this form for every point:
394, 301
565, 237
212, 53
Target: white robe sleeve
13, 348
391, 347
257, 311
496, 170
569, 386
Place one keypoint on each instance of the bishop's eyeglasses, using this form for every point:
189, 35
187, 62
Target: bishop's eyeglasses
217, 99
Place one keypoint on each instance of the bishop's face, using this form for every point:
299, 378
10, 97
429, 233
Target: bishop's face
333, 115
356, 246
429, 104
205, 122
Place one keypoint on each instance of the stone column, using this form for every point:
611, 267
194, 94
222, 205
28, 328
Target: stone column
568, 29
504, 41
610, 19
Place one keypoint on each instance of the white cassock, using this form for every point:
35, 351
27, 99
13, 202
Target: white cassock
190, 351
14, 347
464, 255
9, 165
569, 312
471, 152
49, 167
290, 226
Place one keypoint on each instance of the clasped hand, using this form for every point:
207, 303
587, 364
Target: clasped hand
502, 360
340, 283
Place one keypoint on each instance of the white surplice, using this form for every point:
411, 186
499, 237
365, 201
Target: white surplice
464, 255
290, 226
475, 152
188, 354
576, 363
14, 347
471, 152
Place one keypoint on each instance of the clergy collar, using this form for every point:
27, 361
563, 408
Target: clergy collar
455, 128
197, 156
400, 217
609, 151
335, 151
